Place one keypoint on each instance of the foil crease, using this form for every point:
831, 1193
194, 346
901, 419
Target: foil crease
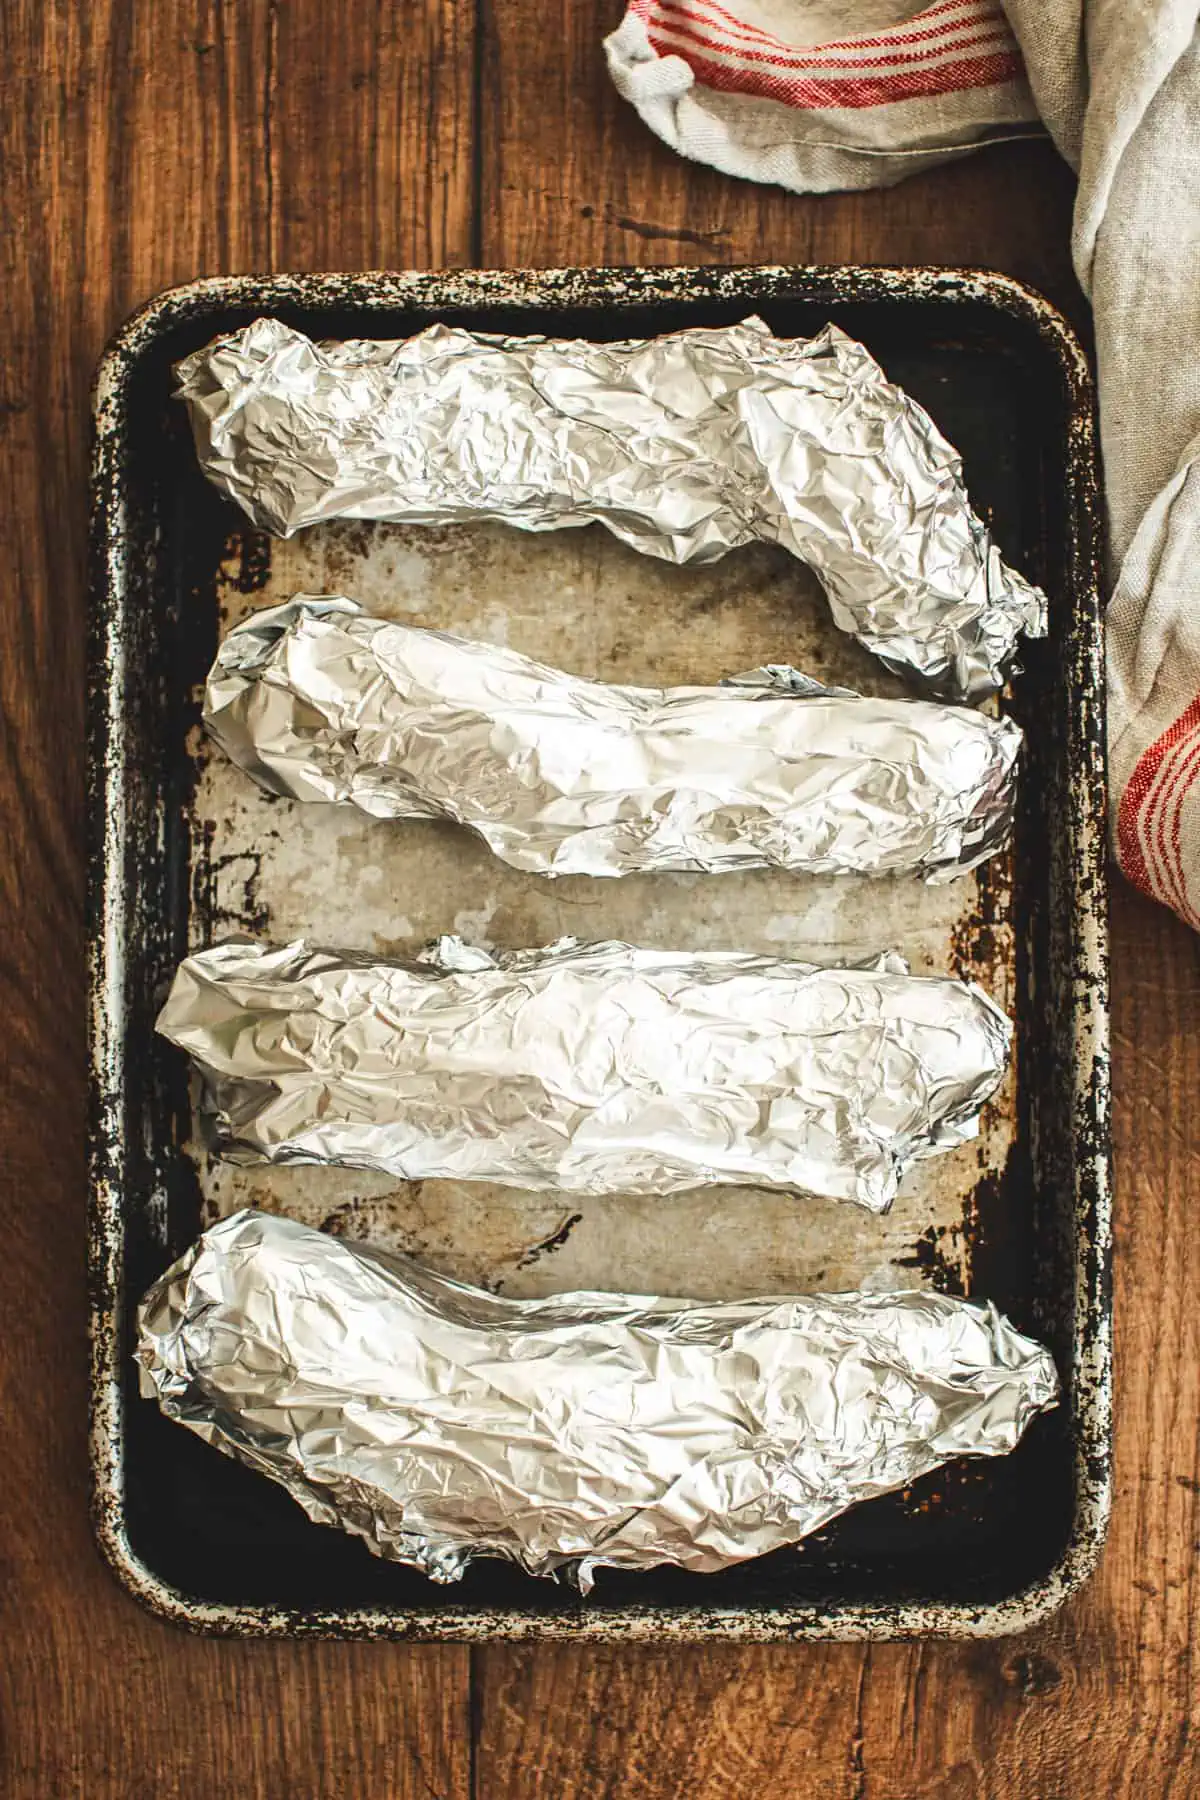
684, 446
440, 1423
562, 776
586, 1068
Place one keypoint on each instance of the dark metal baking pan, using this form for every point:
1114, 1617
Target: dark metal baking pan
183, 850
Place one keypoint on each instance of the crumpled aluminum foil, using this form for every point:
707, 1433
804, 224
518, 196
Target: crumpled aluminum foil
683, 446
562, 776
587, 1068
440, 1423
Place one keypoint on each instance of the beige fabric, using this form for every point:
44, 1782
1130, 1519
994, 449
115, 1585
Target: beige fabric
1119, 88
816, 96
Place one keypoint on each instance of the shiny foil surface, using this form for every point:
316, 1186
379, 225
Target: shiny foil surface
684, 446
562, 776
587, 1068
440, 1423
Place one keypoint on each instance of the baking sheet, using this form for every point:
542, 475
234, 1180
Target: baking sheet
183, 849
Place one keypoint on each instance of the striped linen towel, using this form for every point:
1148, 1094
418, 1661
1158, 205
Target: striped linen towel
781, 91
746, 88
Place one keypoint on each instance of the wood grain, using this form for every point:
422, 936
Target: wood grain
1107, 1699
144, 144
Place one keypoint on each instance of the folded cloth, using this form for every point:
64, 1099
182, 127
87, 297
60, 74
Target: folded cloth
772, 90
782, 91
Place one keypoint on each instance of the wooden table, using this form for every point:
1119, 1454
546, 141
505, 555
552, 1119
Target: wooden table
147, 143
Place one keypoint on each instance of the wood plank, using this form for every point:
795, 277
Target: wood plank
1106, 1699
369, 138
144, 144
